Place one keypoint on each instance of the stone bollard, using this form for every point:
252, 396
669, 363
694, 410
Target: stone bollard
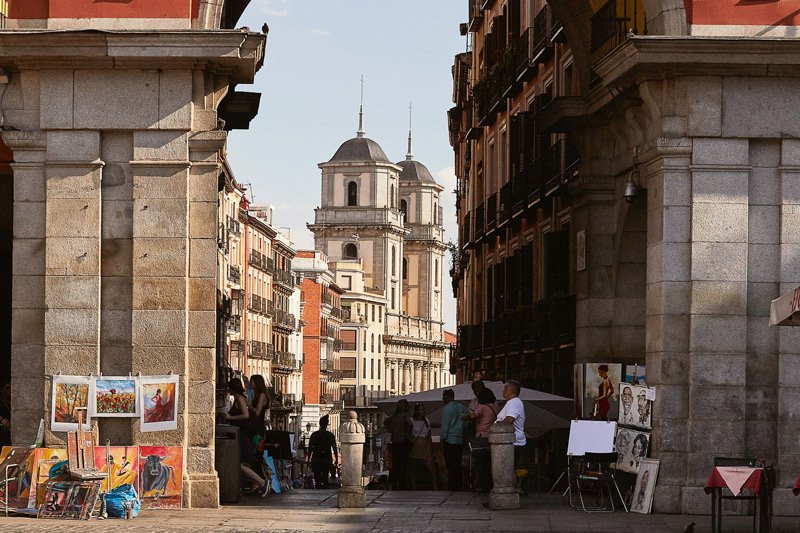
351, 438
504, 495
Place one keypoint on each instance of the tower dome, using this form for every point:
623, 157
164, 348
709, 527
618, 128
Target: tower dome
359, 149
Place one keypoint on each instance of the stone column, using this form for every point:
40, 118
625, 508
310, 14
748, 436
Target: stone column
407, 369
425, 372
351, 438
417, 377
504, 495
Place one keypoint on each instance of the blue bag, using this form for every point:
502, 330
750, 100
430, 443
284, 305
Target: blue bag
116, 499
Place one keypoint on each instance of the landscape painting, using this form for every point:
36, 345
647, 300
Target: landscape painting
161, 476
116, 397
124, 468
159, 396
70, 394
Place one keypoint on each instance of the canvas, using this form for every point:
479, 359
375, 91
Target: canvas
124, 466
81, 500
38, 472
159, 396
115, 397
596, 386
161, 476
632, 446
14, 462
645, 483
635, 373
635, 407
70, 393
55, 499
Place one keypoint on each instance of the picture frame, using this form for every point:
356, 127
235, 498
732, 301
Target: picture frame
632, 446
81, 500
592, 383
159, 396
115, 397
161, 477
642, 500
635, 410
68, 395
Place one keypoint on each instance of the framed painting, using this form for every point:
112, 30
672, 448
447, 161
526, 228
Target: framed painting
639, 412
601, 396
55, 499
70, 394
15, 465
635, 374
38, 472
81, 499
632, 446
645, 484
159, 396
115, 397
161, 476
122, 465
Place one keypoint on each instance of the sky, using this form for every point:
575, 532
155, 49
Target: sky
316, 53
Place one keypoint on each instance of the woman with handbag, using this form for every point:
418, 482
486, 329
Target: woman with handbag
484, 416
421, 455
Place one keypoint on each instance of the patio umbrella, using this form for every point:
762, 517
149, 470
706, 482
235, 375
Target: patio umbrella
785, 311
543, 411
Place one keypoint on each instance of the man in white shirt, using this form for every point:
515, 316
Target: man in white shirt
514, 413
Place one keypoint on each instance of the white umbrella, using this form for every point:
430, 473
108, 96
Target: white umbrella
785, 311
543, 411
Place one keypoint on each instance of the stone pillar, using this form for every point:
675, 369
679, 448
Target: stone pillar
504, 495
426, 369
417, 377
406, 377
351, 438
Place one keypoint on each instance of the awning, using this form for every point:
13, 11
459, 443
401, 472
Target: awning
785, 311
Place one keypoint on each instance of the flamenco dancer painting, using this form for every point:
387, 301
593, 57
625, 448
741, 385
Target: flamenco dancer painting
159, 404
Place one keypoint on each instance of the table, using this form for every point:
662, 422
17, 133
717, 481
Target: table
796, 488
754, 479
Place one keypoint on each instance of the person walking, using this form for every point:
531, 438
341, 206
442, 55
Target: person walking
452, 438
400, 428
421, 453
513, 412
320, 446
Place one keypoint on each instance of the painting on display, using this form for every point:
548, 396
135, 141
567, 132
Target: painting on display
115, 397
35, 474
15, 463
159, 396
161, 476
124, 465
632, 446
645, 483
635, 373
70, 394
635, 409
601, 397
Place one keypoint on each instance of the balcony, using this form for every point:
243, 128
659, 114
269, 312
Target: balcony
256, 304
284, 361
233, 324
233, 227
542, 45
480, 229
337, 345
491, 213
259, 350
506, 201
284, 320
234, 274
283, 278
610, 26
475, 14
269, 308
466, 230
426, 233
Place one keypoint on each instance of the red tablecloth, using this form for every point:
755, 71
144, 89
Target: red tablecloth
715, 480
796, 488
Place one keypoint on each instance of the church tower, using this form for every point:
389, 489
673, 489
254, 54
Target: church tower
423, 256
359, 215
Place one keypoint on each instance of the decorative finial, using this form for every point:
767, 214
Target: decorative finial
410, 154
360, 132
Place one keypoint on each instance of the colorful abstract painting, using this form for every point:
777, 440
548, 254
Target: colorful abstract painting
70, 395
116, 397
37, 474
161, 476
124, 465
159, 396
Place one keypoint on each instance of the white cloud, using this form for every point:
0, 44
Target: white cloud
447, 178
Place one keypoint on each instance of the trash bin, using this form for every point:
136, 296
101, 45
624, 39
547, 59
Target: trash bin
226, 461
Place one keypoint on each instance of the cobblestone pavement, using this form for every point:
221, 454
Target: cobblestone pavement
301, 511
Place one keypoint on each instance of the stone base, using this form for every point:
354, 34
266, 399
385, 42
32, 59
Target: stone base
503, 499
201, 491
352, 497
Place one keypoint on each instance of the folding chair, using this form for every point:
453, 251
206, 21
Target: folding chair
595, 474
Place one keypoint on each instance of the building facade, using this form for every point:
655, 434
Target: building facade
113, 148
626, 195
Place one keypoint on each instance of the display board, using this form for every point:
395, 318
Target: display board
595, 436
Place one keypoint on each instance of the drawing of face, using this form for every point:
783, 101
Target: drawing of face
639, 445
643, 407
627, 399
623, 443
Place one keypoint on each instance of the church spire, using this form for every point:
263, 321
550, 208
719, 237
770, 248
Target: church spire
360, 132
410, 154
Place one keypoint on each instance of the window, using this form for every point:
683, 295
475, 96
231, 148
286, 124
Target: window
405, 268
372, 343
373, 312
404, 209
380, 341
435, 213
365, 342
379, 368
436, 272
352, 193
364, 369
372, 369
392, 378
391, 196
350, 251
392, 297
394, 261
380, 314
347, 282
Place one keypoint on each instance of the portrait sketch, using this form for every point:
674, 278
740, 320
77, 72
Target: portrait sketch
645, 483
642, 407
601, 395
632, 446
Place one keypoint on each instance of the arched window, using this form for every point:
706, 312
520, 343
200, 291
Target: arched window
350, 251
405, 268
352, 193
391, 196
372, 343
379, 351
394, 261
404, 209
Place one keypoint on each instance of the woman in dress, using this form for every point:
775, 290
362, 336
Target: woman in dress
604, 391
421, 455
484, 416
260, 403
239, 416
